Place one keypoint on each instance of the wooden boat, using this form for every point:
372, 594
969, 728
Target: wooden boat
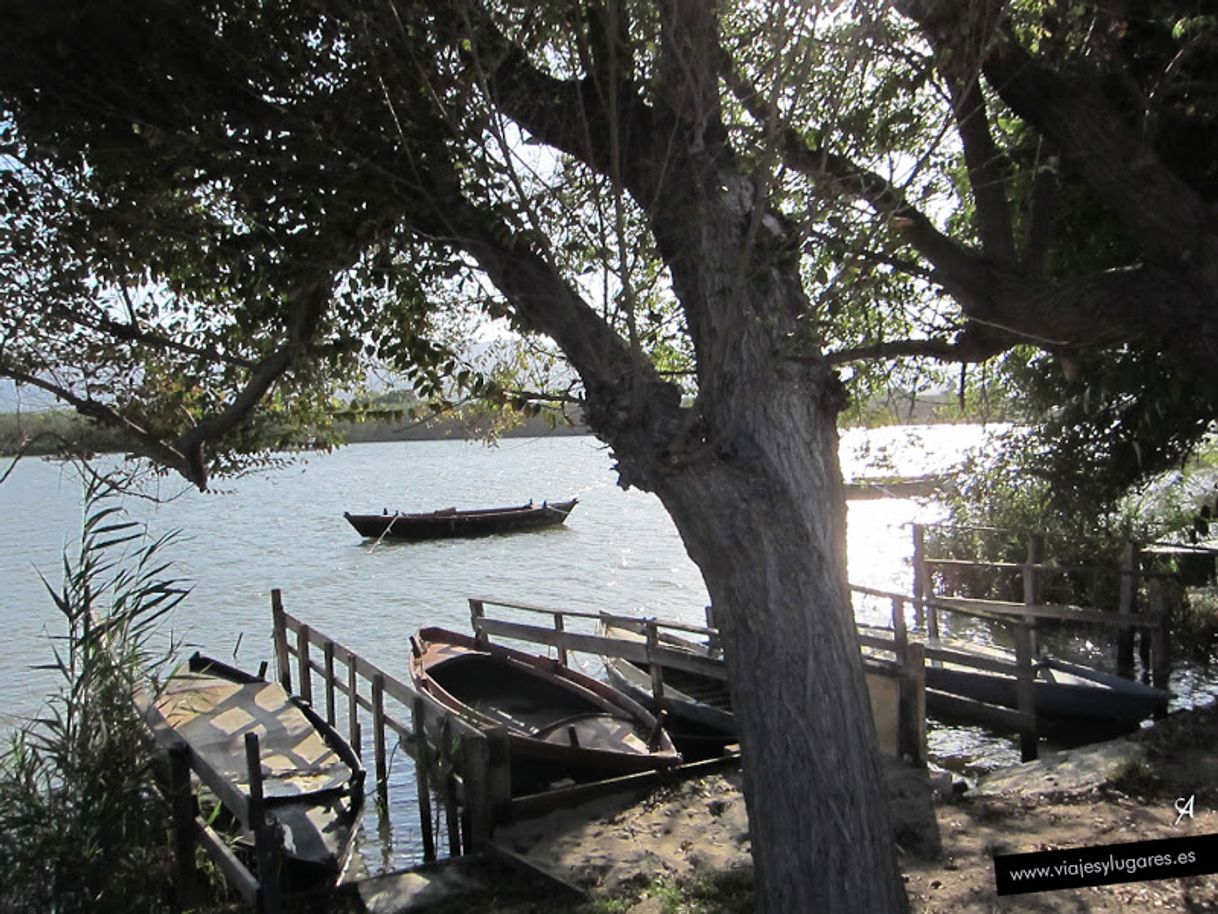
450, 522
313, 783
1069, 698
561, 723
699, 706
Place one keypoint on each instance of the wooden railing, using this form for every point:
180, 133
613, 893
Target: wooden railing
1126, 619
192, 831
469, 768
1022, 719
905, 668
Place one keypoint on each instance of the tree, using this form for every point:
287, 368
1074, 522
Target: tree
1084, 222
217, 212
237, 200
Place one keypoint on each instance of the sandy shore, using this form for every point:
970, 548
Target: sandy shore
616, 847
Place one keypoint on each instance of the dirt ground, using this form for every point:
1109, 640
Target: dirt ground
616, 848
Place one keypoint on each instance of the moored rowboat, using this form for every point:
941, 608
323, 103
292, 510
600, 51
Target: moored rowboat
312, 781
449, 522
561, 723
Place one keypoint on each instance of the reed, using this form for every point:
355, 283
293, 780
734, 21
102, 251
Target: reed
82, 823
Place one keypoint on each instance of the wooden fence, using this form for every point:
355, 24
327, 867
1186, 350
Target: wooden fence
468, 768
191, 831
902, 671
1022, 719
1126, 619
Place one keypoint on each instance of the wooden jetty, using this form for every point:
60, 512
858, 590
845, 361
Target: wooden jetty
895, 681
1124, 620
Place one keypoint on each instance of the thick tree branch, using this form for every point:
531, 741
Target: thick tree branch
985, 169
967, 347
133, 334
1096, 141
138, 439
628, 403
587, 119
837, 175
1073, 111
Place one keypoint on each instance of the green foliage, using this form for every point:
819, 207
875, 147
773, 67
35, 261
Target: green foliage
82, 825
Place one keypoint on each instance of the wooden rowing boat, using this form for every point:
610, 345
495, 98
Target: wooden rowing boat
699, 705
449, 522
312, 781
1069, 699
561, 723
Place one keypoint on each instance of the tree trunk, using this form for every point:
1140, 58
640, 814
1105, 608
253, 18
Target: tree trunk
768, 532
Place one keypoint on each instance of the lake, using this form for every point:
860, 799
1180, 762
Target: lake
618, 552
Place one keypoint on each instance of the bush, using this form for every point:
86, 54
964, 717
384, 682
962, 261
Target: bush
82, 825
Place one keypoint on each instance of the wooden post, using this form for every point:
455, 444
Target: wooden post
499, 774
912, 727
452, 815
475, 772
657, 672
1032, 582
919, 574
181, 800
1130, 561
900, 634
422, 777
476, 613
1160, 642
279, 630
329, 658
378, 738
353, 705
1025, 691
712, 622
302, 664
265, 834
558, 627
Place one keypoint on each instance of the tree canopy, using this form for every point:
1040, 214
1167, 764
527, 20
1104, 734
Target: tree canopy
216, 214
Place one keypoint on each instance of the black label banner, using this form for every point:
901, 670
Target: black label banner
1135, 861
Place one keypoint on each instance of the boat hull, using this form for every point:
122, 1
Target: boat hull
451, 523
313, 782
561, 724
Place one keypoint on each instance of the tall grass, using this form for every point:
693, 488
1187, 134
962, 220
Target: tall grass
82, 825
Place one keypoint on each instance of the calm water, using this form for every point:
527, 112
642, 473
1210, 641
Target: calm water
618, 552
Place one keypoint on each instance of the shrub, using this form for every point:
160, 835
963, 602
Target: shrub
82, 825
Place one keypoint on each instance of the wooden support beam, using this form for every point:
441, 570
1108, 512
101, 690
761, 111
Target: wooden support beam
182, 806
378, 738
653, 665
913, 704
353, 729
476, 613
475, 775
1025, 692
1130, 562
920, 571
1160, 638
279, 632
266, 833
1032, 583
558, 627
303, 664
422, 778
328, 678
